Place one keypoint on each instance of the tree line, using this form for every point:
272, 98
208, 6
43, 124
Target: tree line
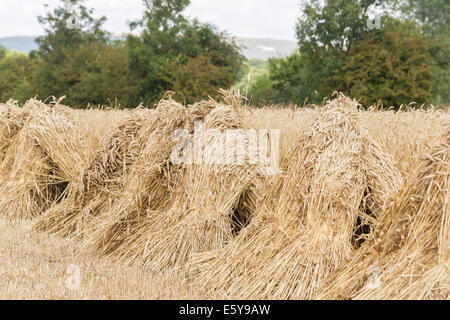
83, 63
400, 57
389, 51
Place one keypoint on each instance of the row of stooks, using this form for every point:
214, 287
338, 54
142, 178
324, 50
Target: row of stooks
339, 221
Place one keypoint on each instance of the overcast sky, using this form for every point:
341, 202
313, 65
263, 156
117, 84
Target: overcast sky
244, 18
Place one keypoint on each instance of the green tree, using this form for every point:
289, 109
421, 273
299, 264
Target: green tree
17, 73
262, 92
61, 35
197, 78
334, 24
2, 52
169, 45
394, 66
340, 51
61, 40
433, 16
324, 31
256, 84
97, 73
290, 78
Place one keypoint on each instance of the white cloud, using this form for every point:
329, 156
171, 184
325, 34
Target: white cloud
251, 18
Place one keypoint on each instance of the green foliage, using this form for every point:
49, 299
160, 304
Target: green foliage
290, 79
60, 36
325, 31
432, 15
262, 92
440, 79
393, 66
339, 52
62, 51
198, 78
255, 83
80, 62
434, 19
2, 52
406, 60
170, 45
157, 47
97, 73
251, 71
333, 24
17, 72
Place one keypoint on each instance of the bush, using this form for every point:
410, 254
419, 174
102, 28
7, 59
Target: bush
395, 67
98, 73
17, 74
170, 47
197, 79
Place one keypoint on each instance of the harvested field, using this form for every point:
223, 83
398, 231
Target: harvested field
358, 206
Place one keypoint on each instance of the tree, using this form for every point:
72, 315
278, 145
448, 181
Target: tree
434, 19
169, 45
60, 35
334, 24
2, 52
325, 31
394, 67
256, 84
340, 51
17, 73
432, 15
62, 40
97, 73
290, 80
198, 78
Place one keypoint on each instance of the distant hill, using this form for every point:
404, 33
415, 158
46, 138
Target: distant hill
22, 44
263, 49
252, 48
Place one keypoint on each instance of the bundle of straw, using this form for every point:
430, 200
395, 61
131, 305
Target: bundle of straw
334, 185
151, 180
43, 157
216, 201
410, 246
167, 211
101, 178
12, 120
